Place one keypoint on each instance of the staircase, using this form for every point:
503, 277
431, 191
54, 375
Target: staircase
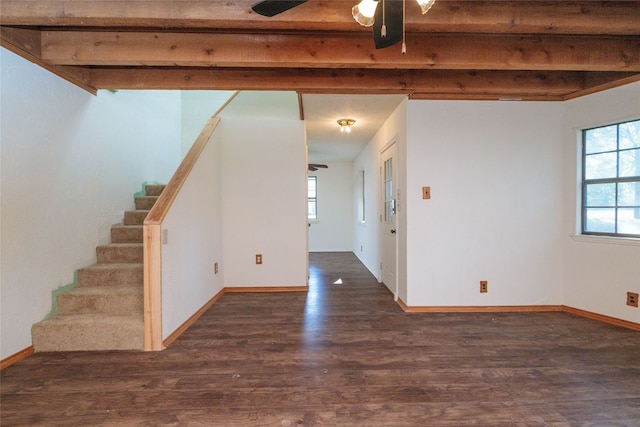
106, 310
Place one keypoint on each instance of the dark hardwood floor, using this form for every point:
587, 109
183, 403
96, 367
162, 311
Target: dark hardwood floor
342, 355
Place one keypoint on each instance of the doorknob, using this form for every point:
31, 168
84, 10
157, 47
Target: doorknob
393, 231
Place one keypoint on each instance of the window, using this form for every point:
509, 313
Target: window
361, 199
611, 180
389, 202
312, 197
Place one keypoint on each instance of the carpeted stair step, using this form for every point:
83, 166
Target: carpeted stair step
135, 217
154, 189
106, 310
120, 253
145, 202
89, 332
121, 233
105, 275
114, 300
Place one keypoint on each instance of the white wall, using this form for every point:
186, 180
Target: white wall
366, 244
70, 165
333, 230
366, 240
598, 271
495, 173
197, 107
264, 191
194, 244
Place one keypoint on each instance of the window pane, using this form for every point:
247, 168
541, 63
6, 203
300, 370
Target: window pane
630, 135
312, 209
629, 194
611, 180
388, 191
311, 186
600, 166
600, 220
600, 194
361, 198
601, 139
629, 220
630, 163
388, 215
312, 196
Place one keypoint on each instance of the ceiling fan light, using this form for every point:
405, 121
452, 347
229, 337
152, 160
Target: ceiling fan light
364, 12
425, 5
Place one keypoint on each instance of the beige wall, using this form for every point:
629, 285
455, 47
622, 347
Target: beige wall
194, 245
264, 190
333, 230
495, 173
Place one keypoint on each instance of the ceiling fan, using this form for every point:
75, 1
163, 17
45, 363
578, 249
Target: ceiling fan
315, 166
386, 16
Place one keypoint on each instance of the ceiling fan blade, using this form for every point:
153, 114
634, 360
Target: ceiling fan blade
392, 10
273, 7
314, 166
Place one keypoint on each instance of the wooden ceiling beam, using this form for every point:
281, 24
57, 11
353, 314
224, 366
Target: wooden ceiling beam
497, 16
424, 51
442, 83
26, 43
461, 49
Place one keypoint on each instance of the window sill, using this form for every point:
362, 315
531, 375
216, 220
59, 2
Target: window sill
627, 241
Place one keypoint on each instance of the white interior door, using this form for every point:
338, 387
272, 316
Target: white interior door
388, 218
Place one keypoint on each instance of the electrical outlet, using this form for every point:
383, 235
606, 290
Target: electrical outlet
632, 299
215, 268
258, 258
484, 286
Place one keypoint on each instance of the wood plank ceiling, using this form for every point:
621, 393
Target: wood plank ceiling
520, 49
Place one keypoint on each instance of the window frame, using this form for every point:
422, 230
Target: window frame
361, 197
584, 183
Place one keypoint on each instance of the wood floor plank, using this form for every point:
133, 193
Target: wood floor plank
342, 355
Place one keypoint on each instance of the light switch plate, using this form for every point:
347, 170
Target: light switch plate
426, 192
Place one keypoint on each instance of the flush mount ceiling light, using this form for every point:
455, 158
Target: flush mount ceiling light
345, 125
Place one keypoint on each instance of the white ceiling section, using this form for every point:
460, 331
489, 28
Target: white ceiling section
321, 113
